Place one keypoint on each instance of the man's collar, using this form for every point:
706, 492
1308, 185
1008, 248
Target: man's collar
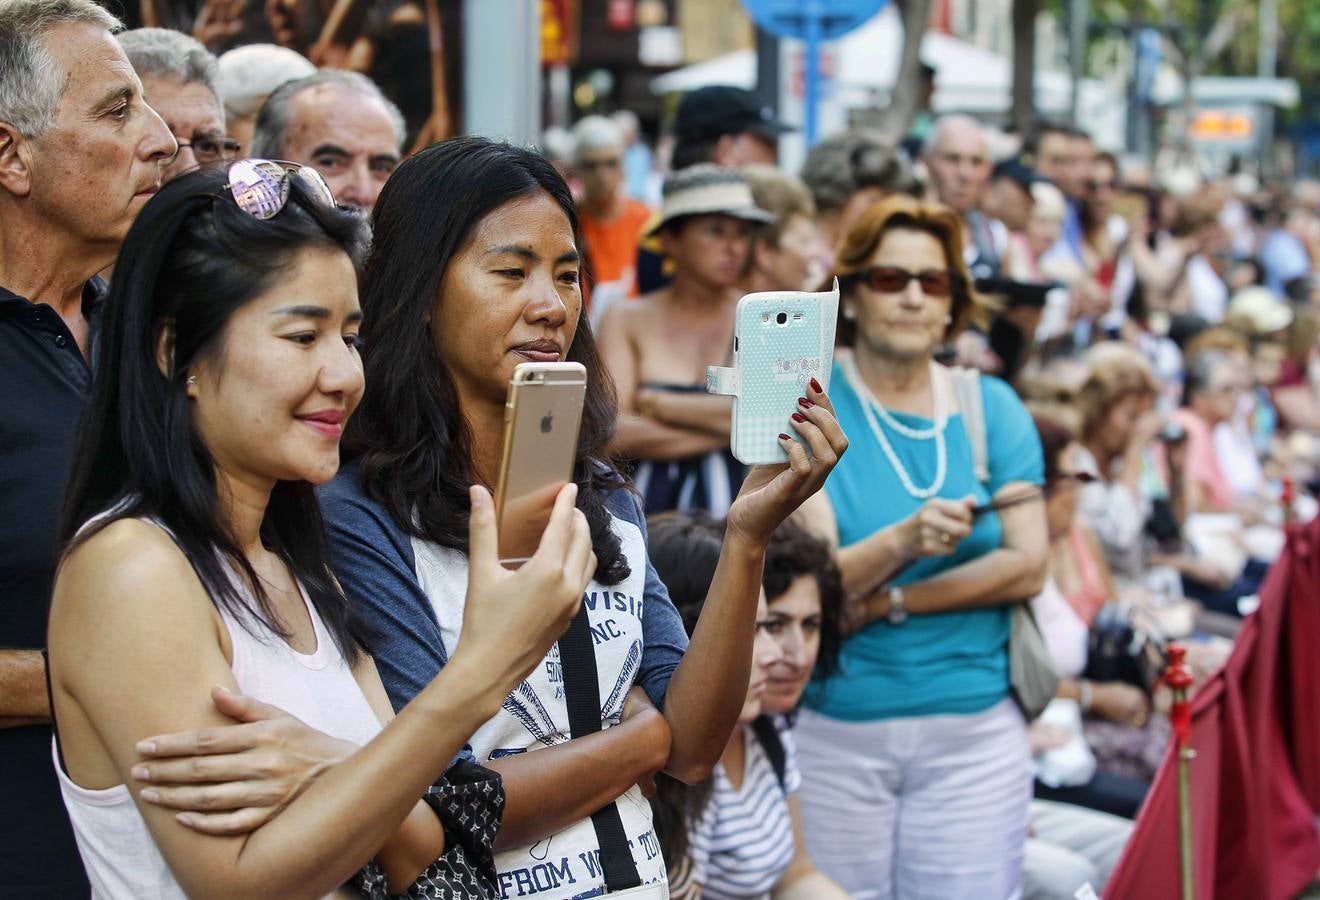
93, 297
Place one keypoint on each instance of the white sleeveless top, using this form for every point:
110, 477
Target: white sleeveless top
118, 851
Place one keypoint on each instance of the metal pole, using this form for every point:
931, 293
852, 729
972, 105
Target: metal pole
1178, 676
502, 69
813, 13
1077, 10
767, 69
1267, 60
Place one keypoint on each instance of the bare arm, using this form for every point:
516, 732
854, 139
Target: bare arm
550, 789
1014, 571
22, 689
709, 413
707, 690
701, 717
637, 436
1297, 405
145, 669
802, 880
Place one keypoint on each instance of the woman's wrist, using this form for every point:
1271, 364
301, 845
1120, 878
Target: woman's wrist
743, 547
1085, 695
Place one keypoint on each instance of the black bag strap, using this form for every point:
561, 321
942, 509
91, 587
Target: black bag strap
577, 654
767, 732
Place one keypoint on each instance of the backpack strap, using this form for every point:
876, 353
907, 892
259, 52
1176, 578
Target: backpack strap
967, 394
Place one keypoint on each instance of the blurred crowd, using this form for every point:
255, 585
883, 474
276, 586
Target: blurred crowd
1071, 383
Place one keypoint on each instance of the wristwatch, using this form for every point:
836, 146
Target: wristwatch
897, 611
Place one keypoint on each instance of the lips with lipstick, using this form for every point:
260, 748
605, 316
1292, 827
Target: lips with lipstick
540, 351
327, 422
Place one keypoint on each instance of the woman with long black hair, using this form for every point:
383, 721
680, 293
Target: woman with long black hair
474, 269
196, 565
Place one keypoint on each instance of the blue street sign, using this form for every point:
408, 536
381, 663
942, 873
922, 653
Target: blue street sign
811, 21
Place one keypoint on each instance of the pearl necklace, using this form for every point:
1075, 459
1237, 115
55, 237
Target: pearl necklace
871, 406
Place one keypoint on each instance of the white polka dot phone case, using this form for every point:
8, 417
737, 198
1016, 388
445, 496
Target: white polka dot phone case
782, 339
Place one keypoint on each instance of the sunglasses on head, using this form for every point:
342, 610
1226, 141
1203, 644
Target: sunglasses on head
261, 187
892, 280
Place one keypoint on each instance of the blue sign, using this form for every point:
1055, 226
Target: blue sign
812, 21
796, 18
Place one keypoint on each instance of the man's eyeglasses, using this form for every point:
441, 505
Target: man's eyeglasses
591, 165
209, 148
261, 187
892, 280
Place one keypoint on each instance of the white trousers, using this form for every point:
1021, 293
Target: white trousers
1070, 846
922, 808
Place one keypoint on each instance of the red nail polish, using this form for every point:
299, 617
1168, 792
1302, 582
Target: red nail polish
798, 417
815, 386
784, 437
805, 403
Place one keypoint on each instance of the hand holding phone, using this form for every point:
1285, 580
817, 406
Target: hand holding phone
782, 340
541, 422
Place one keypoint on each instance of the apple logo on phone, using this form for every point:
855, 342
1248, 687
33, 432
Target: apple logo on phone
547, 423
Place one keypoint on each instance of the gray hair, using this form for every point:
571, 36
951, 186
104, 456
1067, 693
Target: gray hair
31, 81
250, 74
276, 113
596, 133
172, 55
946, 122
1200, 372
844, 164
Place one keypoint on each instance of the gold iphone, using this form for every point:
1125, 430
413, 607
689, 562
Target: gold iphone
541, 422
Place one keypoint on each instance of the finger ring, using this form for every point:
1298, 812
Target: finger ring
944, 537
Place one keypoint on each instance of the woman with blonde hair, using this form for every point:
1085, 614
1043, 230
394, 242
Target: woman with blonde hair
1119, 425
916, 776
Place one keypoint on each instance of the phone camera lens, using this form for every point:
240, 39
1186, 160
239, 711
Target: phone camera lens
782, 318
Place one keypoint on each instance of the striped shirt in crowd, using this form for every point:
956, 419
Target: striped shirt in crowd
743, 842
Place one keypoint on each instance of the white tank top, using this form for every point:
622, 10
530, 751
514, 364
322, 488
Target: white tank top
118, 851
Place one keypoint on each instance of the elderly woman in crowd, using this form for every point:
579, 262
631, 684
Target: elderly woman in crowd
1119, 427
1215, 383
919, 769
789, 253
848, 172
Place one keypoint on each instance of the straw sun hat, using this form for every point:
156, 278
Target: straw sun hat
705, 190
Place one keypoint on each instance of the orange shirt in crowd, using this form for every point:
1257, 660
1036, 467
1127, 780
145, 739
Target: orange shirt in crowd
612, 246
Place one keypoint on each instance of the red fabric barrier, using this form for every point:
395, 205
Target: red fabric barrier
1256, 775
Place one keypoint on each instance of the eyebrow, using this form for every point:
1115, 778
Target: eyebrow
330, 150
124, 92
313, 312
527, 253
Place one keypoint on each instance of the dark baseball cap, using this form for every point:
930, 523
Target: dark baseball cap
714, 111
1016, 168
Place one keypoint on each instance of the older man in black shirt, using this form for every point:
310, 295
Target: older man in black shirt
80, 153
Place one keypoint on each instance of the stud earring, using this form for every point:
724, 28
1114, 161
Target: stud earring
192, 381
848, 314
948, 320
